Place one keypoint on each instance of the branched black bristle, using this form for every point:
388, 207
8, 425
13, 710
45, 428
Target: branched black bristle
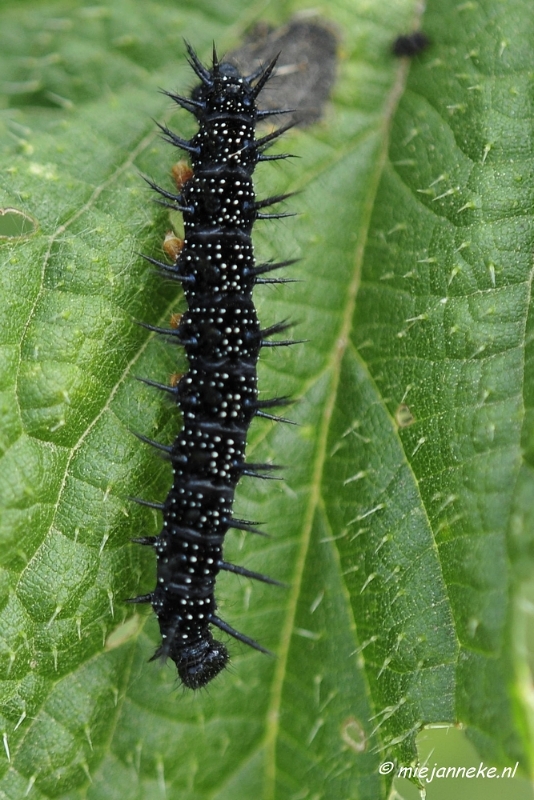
237, 635
270, 266
274, 112
163, 386
198, 67
267, 140
283, 343
185, 102
173, 332
159, 264
246, 525
153, 443
247, 573
278, 327
259, 470
147, 504
169, 270
265, 281
270, 201
143, 598
163, 192
172, 138
261, 76
278, 157
274, 402
147, 541
275, 418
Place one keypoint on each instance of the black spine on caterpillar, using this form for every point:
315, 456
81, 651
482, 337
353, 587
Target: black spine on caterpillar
222, 338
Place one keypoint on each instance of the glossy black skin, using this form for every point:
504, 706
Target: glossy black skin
218, 395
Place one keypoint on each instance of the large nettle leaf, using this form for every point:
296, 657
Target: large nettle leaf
409, 483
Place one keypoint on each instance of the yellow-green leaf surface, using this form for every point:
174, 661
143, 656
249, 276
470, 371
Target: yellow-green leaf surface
405, 523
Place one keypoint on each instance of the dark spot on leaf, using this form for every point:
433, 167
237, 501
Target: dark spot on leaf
305, 70
410, 44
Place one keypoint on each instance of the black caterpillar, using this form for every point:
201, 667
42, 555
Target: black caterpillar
221, 334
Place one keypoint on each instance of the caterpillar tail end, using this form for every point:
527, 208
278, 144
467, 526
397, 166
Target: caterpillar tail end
198, 665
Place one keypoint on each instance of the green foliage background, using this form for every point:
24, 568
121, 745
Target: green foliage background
404, 527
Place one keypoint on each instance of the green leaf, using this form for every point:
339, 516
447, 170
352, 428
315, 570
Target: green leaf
404, 527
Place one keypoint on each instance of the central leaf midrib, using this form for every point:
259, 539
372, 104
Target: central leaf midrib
342, 341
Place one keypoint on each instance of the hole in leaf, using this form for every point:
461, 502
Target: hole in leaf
15, 223
404, 416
